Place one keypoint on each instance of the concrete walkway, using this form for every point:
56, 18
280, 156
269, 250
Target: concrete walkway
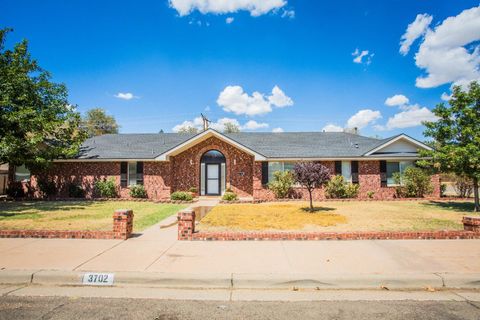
158, 251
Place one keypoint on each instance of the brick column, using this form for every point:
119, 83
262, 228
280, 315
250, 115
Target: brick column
122, 224
186, 224
471, 224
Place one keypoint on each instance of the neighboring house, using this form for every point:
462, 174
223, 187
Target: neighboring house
3, 178
243, 162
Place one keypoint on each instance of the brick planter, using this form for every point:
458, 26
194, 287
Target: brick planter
361, 235
186, 224
471, 224
122, 230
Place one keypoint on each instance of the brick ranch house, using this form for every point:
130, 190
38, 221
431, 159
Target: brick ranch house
244, 162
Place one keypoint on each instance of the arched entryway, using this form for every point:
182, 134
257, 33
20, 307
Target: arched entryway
212, 173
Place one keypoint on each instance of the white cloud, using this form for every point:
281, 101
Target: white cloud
446, 97
450, 52
363, 118
396, 100
288, 14
125, 96
229, 20
332, 128
414, 30
279, 99
254, 125
359, 55
412, 117
277, 130
255, 7
219, 125
234, 99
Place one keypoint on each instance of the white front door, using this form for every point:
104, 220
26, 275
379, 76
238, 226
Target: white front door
213, 179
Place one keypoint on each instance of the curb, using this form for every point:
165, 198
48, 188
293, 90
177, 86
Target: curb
418, 281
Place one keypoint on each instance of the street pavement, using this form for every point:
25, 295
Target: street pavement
65, 308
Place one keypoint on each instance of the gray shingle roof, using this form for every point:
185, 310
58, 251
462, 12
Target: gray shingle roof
270, 145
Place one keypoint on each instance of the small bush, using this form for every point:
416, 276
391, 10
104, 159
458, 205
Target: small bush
138, 191
193, 190
75, 191
443, 189
106, 188
181, 195
47, 187
15, 190
413, 183
463, 186
370, 194
338, 188
229, 196
282, 183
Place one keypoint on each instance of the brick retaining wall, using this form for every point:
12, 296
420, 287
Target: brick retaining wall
122, 230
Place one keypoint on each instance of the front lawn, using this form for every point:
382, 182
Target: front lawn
339, 216
79, 215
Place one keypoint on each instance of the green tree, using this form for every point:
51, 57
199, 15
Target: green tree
230, 128
456, 136
37, 124
188, 129
96, 122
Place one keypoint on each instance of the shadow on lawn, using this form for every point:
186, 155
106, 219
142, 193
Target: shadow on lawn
452, 205
18, 207
317, 209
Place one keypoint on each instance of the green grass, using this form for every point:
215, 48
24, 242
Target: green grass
80, 215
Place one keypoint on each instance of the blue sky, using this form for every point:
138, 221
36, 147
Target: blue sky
177, 59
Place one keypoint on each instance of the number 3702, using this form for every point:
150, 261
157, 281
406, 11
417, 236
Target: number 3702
98, 278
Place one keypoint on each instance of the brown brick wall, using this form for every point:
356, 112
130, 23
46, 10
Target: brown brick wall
186, 167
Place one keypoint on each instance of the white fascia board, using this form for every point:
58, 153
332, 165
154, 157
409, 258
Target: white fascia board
203, 136
386, 157
402, 136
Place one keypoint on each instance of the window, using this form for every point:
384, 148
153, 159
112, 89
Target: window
278, 166
347, 171
131, 173
22, 173
396, 166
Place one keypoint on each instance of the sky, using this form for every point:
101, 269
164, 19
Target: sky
266, 65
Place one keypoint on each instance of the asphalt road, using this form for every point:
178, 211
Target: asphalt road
101, 308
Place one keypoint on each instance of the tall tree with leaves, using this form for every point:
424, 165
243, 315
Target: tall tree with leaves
37, 124
456, 136
97, 122
230, 127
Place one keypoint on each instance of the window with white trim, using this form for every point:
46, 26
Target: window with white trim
131, 173
394, 167
347, 171
22, 173
278, 166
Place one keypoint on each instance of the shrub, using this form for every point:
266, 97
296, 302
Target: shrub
193, 190
75, 191
443, 189
229, 196
338, 188
370, 194
138, 191
47, 187
463, 186
15, 190
282, 183
413, 183
181, 195
106, 188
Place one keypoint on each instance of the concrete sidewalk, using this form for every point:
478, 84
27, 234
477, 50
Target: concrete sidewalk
157, 255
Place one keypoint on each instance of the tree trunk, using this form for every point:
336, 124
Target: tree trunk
475, 193
311, 202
